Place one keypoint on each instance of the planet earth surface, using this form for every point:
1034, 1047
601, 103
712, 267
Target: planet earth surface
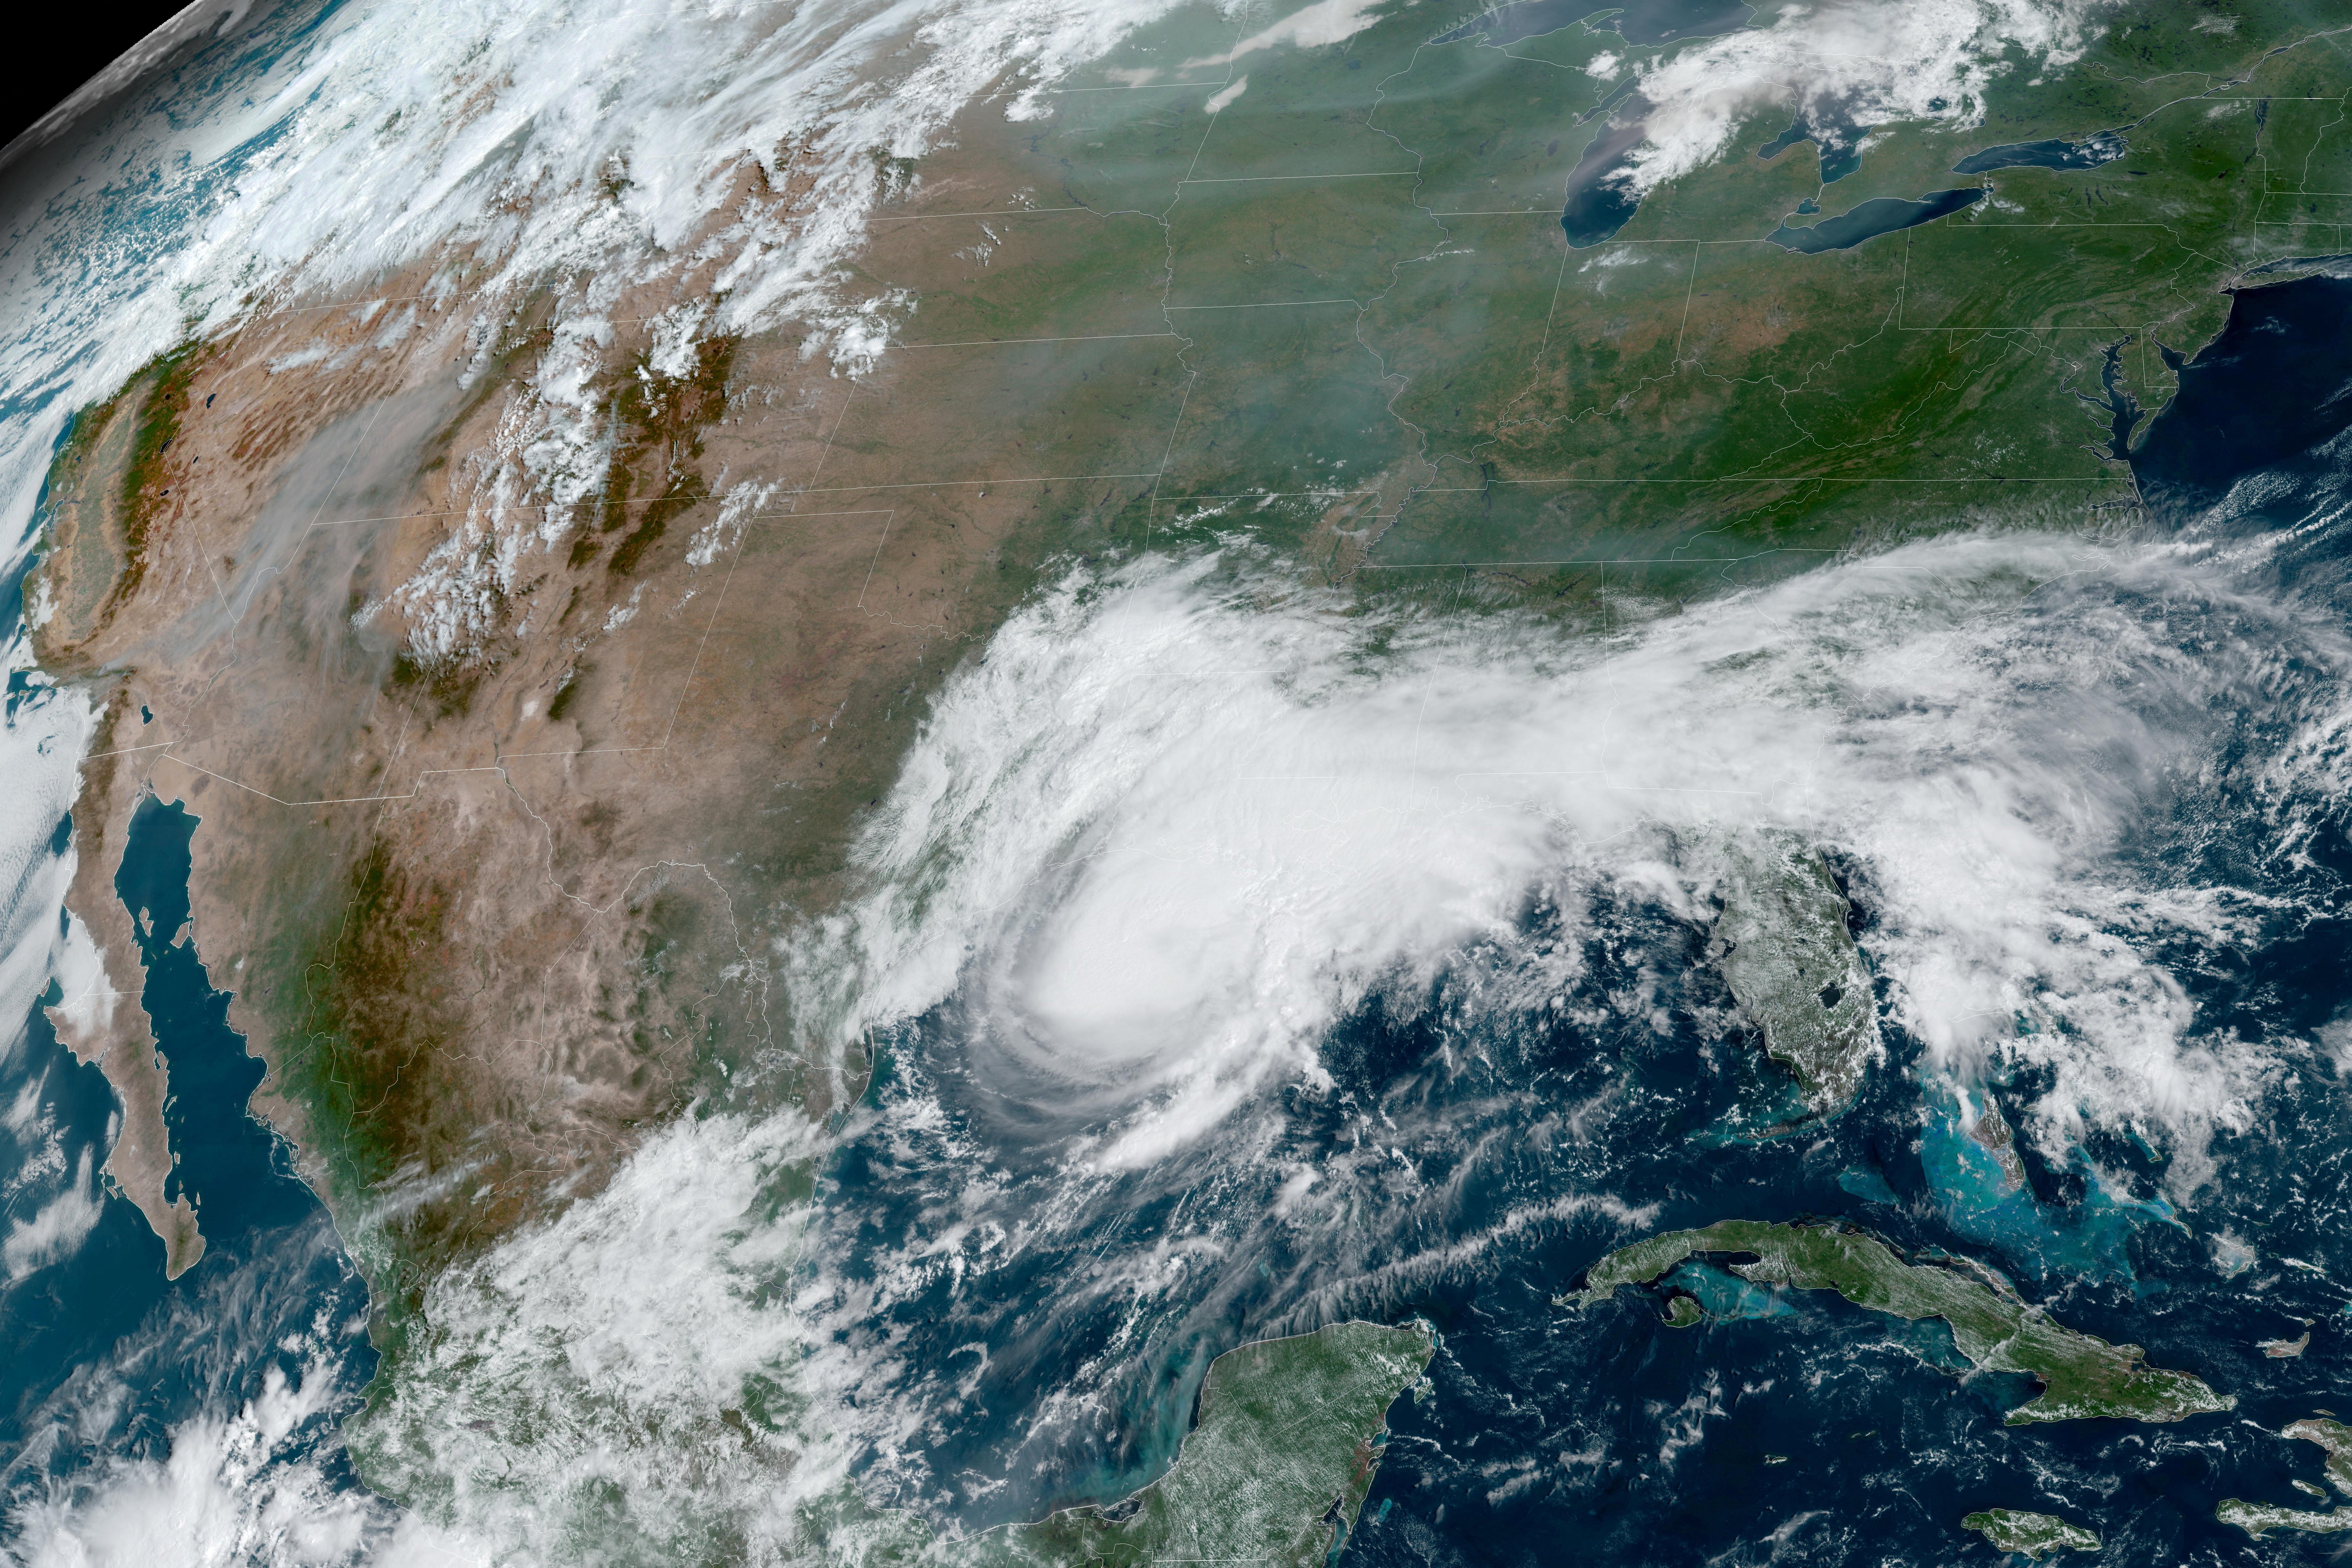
873, 782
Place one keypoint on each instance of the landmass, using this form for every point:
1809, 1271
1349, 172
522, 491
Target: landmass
474, 857
2081, 1376
1287, 1441
2258, 1518
1992, 1133
642, 694
2035, 1535
2287, 1349
2335, 1439
512, 777
1793, 965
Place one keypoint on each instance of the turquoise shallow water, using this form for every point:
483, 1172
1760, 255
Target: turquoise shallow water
1632, 1442
1727, 1297
1490, 1153
2089, 1238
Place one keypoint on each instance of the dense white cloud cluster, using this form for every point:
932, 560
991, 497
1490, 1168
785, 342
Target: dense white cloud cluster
594, 146
1179, 822
1176, 825
1865, 62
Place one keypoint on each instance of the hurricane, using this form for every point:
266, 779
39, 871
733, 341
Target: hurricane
985, 780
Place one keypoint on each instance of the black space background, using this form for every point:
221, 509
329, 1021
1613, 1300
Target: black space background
69, 44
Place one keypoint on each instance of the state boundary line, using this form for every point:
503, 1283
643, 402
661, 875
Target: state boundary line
501, 760
376, 307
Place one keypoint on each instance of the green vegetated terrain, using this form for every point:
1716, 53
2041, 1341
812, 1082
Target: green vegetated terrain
1339, 313
1287, 1438
1382, 327
1274, 1471
2081, 1376
2258, 1519
2035, 1535
2334, 1440
109, 465
1792, 966
1341, 306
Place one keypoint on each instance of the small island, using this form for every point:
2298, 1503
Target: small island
2081, 1376
2035, 1535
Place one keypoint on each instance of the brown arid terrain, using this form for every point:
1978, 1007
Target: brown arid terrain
506, 801
530, 648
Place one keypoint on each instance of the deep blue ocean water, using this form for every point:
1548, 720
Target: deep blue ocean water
1487, 1157
2265, 405
1480, 1152
107, 1356
1635, 1441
